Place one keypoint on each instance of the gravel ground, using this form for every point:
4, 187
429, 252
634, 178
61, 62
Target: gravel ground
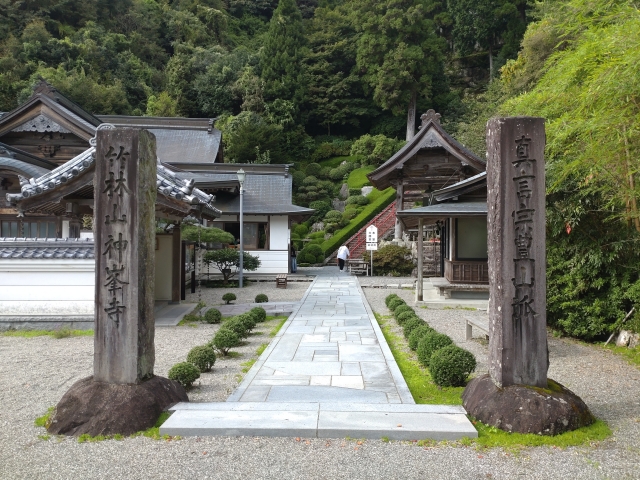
35, 372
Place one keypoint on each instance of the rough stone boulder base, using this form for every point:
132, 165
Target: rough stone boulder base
100, 408
526, 409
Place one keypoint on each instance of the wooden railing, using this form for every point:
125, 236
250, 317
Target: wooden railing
460, 271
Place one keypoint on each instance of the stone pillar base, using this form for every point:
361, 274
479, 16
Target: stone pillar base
100, 408
526, 409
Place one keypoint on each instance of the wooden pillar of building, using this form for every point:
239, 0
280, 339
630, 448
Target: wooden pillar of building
420, 286
176, 256
399, 206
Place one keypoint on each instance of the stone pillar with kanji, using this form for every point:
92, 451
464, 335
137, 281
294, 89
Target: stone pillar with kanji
125, 196
518, 350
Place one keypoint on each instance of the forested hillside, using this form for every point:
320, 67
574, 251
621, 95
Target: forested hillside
308, 81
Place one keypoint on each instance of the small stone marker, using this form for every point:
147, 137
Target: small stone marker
518, 351
516, 236
125, 196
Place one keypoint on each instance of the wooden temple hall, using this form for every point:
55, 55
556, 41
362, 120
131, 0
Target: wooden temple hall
441, 198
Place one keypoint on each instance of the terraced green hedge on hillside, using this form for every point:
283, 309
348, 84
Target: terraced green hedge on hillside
379, 200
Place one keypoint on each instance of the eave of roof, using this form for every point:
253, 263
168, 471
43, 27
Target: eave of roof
431, 135
465, 186
447, 209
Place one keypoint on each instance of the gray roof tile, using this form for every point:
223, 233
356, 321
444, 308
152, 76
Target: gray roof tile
46, 248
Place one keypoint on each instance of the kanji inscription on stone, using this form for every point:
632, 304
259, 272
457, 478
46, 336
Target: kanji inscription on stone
518, 351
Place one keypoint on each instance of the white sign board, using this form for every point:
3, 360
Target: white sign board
372, 237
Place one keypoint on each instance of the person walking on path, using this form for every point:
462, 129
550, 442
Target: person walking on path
294, 263
343, 254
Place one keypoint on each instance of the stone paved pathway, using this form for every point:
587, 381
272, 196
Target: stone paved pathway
330, 349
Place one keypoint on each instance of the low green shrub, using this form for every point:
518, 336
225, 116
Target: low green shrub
357, 200
451, 365
237, 326
261, 298
394, 303
312, 253
401, 309
403, 317
394, 260
416, 335
225, 340
229, 297
185, 373
410, 325
202, 357
390, 297
249, 320
212, 316
429, 344
355, 192
260, 314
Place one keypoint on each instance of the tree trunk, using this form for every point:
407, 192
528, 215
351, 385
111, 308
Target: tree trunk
632, 187
490, 64
411, 115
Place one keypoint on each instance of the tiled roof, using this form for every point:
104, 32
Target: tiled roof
46, 248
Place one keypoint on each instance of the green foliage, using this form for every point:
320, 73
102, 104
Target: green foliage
404, 317
202, 357
355, 191
394, 260
238, 325
395, 302
311, 254
376, 149
451, 365
249, 320
228, 259
357, 200
378, 203
429, 344
261, 298
410, 325
259, 313
228, 297
212, 316
417, 334
195, 233
402, 308
184, 373
224, 340
390, 297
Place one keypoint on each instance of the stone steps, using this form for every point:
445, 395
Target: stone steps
320, 420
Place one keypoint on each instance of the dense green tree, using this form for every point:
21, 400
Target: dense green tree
282, 55
398, 53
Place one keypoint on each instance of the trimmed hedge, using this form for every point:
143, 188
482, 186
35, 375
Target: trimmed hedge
249, 320
389, 298
212, 316
229, 297
450, 366
376, 206
417, 334
224, 341
237, 326
395, 303
184, 373
410, 325
260, 314
261, 298
404, 317
202, 357
431, 343
401, 309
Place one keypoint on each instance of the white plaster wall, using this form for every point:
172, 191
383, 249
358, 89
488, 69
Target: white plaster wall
279, 233
46, 287
271, 261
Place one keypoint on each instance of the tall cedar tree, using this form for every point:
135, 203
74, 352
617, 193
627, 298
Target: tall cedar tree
282, 56
399, 53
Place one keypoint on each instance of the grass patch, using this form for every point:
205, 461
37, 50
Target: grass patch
458, 307
274, 331
261, 349
61, 333
246, 366
632, 355
424, 391
43, 421
417, 377
358, 177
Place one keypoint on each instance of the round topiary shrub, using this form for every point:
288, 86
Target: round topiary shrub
249, 320
403, 317
212, 316
389, 298
430, 343
260, 314
237, 326
416, 335
261, 298
202, 357
401, 309
185, 373
450, 366
394, 303
229, 297
225, 340
410, 325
